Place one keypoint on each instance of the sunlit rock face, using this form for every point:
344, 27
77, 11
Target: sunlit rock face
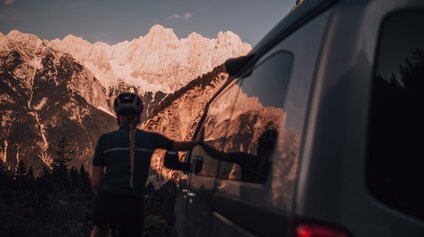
65, 88
158, 61
178, 117
46, 95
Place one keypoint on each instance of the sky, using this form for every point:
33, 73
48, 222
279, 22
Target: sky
115, 21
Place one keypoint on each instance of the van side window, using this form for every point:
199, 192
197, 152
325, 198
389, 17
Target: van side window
395, 153
256, 120
215, 127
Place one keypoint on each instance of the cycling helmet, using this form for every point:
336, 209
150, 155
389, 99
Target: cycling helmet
128, 104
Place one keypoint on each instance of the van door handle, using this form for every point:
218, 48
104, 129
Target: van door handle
184, 191
191, 196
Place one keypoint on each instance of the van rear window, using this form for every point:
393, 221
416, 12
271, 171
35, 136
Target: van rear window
395, 155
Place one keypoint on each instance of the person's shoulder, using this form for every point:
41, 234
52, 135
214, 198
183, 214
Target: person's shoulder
107, 135
110, 133
148, 133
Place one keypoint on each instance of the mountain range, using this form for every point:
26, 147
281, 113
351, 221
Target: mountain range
65, 88
158, 61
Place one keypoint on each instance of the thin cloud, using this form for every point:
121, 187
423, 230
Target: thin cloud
186, 16
173, 17
8, 2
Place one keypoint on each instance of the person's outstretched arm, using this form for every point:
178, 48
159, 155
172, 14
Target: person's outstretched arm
183, 146
171, 161
219, 155
187, 145
233, 157
162, 142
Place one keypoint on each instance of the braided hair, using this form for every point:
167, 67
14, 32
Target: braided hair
132, 133
128, 107
132, 121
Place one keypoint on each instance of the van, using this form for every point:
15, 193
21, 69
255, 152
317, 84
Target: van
319, 131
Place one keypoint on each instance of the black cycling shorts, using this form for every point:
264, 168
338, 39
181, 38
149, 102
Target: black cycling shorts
125, 210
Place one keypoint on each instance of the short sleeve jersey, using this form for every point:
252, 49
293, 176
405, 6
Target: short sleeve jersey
112, 152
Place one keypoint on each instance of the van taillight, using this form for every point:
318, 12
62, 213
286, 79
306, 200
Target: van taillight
313, 230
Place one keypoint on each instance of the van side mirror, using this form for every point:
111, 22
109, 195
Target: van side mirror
233, 66
197, 164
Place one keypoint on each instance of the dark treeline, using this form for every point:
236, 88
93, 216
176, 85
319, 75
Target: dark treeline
57, 201
53, 203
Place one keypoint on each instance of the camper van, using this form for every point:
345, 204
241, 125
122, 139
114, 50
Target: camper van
319, 130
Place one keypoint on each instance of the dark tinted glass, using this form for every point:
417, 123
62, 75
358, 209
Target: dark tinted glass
395, 162
256, 119
215, 127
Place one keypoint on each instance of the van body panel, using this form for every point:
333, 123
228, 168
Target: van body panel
334, 46
337, 127
199, 207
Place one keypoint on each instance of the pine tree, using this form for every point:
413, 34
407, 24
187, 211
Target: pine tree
30, 177
6, 177
21, 169
60, 162
85, 185
45, 171
30, 174
74, 176
62, 154
20, 175
44, 182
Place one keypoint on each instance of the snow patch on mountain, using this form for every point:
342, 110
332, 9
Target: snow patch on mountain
107, 111
41, 104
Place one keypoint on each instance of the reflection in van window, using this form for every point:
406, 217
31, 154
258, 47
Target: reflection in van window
256, 121
254, 168
215, 126
395, 160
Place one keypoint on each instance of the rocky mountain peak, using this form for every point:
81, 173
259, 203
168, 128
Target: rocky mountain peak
194, 36
18, 36
160, 37
159, 30
72, 39
229, 40
228, 35
14, 33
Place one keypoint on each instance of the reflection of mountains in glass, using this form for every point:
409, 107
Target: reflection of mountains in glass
241, 121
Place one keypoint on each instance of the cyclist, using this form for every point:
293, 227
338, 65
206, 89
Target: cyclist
120, 168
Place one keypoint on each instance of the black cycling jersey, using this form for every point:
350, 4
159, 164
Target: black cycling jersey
112, 152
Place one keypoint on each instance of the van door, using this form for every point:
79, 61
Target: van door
255, 197
200, 190
254, 138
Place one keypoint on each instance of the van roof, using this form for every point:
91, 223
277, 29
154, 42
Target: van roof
297, 17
